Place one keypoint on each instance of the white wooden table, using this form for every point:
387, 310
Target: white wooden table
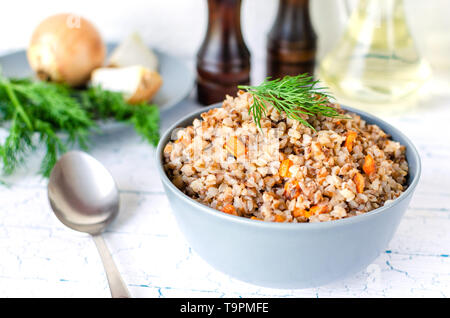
39, 257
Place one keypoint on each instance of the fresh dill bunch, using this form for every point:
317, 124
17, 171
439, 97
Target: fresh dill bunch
146, 122
16, 146
104, 104
44, 109
53, 144
293, 95
60, 117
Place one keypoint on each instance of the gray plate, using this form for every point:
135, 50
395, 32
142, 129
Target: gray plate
178, 80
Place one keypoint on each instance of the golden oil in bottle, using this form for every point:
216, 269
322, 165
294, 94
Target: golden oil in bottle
376, 60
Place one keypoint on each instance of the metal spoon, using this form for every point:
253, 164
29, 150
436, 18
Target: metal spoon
84, 196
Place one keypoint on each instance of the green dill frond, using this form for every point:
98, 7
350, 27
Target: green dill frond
49, 111
293, 95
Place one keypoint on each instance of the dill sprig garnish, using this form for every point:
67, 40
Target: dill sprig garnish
293, 95
58, 117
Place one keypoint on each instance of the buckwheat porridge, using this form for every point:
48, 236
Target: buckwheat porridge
285, 171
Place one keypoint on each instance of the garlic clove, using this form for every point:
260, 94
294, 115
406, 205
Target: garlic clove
137, 83
133, 51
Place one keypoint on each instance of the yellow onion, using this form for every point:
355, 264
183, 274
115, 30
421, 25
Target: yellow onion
66, 48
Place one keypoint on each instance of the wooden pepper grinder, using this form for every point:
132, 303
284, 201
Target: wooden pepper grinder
223, 60
291, 45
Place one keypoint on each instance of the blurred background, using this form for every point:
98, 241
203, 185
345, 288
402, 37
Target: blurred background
178, 27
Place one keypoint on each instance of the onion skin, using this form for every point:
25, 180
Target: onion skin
66, 48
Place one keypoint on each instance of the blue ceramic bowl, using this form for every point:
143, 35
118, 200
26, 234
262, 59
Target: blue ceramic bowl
289, 255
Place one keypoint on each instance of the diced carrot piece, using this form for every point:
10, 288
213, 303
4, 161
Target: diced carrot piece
299, 212
314, 209
291, 189
255, 218
307, 214
319, 209
279, 218
369, 165
284, 168
235, 147
229, 209
325, 209
351, 136
359, 181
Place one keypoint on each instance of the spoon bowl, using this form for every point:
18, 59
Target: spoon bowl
82, 193
84, 196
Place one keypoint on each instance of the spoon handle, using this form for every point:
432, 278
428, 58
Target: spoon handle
116, 284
